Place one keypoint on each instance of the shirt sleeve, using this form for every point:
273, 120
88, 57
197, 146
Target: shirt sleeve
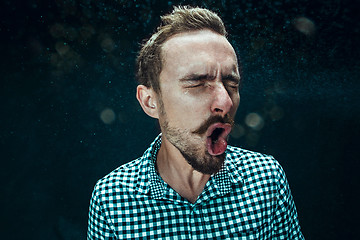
286, 223
98, 227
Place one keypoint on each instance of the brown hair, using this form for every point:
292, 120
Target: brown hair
181, 19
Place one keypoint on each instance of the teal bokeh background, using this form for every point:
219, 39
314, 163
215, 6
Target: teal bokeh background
69, 113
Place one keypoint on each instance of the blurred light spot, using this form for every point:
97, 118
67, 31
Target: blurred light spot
107, 116
107, 44
276, 113
237, 131
87, 31
304, 25
55, 59
62, 48
254, 120
71, 33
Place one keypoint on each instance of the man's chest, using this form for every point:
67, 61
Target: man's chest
236, 215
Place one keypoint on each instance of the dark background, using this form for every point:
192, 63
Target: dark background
69, 114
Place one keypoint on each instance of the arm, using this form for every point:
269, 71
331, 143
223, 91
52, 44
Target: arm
286, 224
98, 227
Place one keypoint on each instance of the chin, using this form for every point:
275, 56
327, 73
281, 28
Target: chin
206, 164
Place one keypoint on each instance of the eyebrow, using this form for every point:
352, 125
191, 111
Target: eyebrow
231, 77
198, 77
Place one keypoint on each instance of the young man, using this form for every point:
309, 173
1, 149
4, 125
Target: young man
190, 184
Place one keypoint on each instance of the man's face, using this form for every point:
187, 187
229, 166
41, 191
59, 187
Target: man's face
199, 96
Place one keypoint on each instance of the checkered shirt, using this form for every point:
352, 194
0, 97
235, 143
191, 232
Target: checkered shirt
249, 198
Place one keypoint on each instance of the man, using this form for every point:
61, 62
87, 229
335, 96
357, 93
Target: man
190, 184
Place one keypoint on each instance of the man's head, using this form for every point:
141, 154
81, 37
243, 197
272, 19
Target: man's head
197, 90
182, 19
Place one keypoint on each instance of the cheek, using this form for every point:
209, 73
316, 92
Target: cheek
236, 102
186, 113
175, 107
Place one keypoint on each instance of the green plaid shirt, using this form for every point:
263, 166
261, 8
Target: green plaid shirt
249, 198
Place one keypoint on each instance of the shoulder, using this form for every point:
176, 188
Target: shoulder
123, 178
250, 162
242, 156
129, 179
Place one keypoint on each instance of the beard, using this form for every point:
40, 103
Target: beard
194, 153
192, 146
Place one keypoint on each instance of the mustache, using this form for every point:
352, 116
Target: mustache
213, 119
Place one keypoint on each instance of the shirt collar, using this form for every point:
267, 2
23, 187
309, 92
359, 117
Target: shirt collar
152, 184
149, 181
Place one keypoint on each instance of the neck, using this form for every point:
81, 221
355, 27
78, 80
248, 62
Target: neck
178, 173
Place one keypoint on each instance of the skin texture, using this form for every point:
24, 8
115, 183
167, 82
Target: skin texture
199, 81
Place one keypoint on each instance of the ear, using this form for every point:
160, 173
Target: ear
148, 100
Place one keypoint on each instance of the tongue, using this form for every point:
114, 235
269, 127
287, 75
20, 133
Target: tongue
218, 147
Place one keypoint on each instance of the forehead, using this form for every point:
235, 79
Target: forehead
198, 49
201, 37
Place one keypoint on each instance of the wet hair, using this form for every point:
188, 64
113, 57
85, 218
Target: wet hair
182, 19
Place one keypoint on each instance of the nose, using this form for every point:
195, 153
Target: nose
222, 102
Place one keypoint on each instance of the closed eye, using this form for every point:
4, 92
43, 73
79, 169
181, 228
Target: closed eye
196, 85
232, 81
195, 80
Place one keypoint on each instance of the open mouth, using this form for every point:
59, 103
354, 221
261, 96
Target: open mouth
217, 138
215, 134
